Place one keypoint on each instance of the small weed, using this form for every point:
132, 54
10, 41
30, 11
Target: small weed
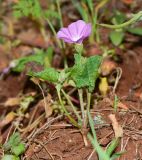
13, 148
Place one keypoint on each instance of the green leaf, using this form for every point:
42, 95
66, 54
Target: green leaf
114, 143
10, 157
21, 63
116, 37
49, 74
118, 18
115, 156
18, 150
90, 4
81, 10
41, 57
26, 8
48, 57
85, 71
51, 14
14, 140
93, 139
137, 31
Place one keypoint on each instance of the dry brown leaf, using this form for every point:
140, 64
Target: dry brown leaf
48, 108
8, 118
116, 127
12, 101
46, 103
107, 67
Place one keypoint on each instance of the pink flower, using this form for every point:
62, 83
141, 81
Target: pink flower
76, 32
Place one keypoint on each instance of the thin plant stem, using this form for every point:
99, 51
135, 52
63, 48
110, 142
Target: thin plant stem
95, 20
59, 43
88, 100
66, 112
61, 25
95, 34
80, 92
93, 139
60, 14
54, 32
88, 108
135, 18
44, 98
71, 104
83, 127
96, 28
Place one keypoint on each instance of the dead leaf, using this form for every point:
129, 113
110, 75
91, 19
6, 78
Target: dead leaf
116, 127
12, 102
8, 118
48, 108
107, 67
46, 103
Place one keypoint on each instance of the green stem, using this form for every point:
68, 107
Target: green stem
54, 32
94, 19
60, 14
131, 21
80, 92
93, 139
61, 25
59, 43
66, 112
101, 153
88, 107
84, 117
88, 100
71, 104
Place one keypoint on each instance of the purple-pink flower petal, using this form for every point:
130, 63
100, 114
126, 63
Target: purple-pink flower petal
75, 32
80, 24
86, 31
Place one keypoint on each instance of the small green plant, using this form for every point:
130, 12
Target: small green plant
117, 35
82, 75
119, 27
32, 9
13, 148
27, 8
107, 154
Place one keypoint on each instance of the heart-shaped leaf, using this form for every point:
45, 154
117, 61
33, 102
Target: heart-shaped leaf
116, 37
85, 71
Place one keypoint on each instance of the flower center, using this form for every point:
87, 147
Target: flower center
75, 38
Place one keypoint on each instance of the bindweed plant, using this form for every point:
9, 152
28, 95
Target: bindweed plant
120, 26
82, 75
